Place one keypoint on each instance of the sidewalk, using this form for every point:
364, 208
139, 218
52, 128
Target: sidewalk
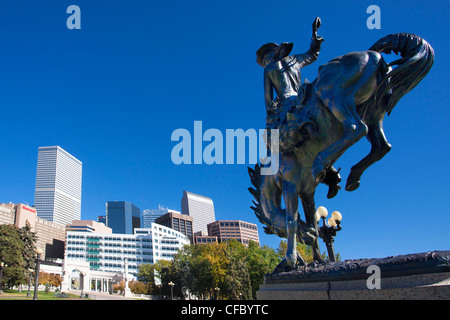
102, 295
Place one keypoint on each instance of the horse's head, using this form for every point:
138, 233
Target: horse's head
294, 131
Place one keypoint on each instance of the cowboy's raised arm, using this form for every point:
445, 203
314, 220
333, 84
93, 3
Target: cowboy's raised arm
316, 42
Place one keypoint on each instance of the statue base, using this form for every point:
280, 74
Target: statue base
421, 276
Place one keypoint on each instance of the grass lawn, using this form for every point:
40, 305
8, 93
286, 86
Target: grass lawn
16, 295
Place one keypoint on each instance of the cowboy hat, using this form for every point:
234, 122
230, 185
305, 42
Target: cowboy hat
281, 51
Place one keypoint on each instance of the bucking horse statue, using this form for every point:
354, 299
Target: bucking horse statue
321, 120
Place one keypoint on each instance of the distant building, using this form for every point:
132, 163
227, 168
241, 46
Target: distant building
102, 219
123, 217
88, 226
149, 216
202, 237
242, 231
107, 252
177, 221
199, 207
57, 195
50, 235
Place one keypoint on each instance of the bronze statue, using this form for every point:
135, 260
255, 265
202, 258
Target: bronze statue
282, 75
319, 121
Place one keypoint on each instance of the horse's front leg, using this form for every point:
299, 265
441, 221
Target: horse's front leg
354, 129
380, 147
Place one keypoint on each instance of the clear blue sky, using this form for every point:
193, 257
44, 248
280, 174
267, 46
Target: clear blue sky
112, 93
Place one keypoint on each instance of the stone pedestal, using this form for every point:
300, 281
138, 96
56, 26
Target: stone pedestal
422, 276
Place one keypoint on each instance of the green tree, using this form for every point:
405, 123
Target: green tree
29, 239
11, 254
146, 275
164, 272
304, 250
237, 283
183, 271
261, 260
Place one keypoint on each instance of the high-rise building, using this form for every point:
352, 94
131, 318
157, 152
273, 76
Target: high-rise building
178, 222
123, 216
57, 196
102, 219
149, 216
199, 207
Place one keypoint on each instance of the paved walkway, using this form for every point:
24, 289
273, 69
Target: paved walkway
102, 295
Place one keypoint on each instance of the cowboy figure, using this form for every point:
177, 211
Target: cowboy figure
282, 72
282, 75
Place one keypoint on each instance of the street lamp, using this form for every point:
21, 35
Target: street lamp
328, 232
29, 282
36, 272
217, 289
171, 284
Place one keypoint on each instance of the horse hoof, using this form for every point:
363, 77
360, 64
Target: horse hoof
352, 185
332, 191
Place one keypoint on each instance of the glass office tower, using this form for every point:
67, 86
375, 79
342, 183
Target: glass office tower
199, 207
123, 216
57, 196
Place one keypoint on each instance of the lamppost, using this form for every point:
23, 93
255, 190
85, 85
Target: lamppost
2, 265
171, 284
29, 282
217, 289
328, 232
36, 272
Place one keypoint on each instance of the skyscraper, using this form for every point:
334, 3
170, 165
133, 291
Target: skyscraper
177, 221
199, 207
149, 216
123, 216
57, 196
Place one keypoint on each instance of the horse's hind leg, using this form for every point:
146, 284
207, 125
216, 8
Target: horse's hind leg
309, 207
291, 204
380, 147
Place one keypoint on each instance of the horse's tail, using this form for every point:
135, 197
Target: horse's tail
417, 59
268, 210
267, 218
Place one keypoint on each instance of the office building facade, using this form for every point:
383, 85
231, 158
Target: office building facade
242, 231
199, 207
123, 217
202, 237
88, 226
50, 236
102, 219
179, 222
149, 216
107, 252
57, 195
